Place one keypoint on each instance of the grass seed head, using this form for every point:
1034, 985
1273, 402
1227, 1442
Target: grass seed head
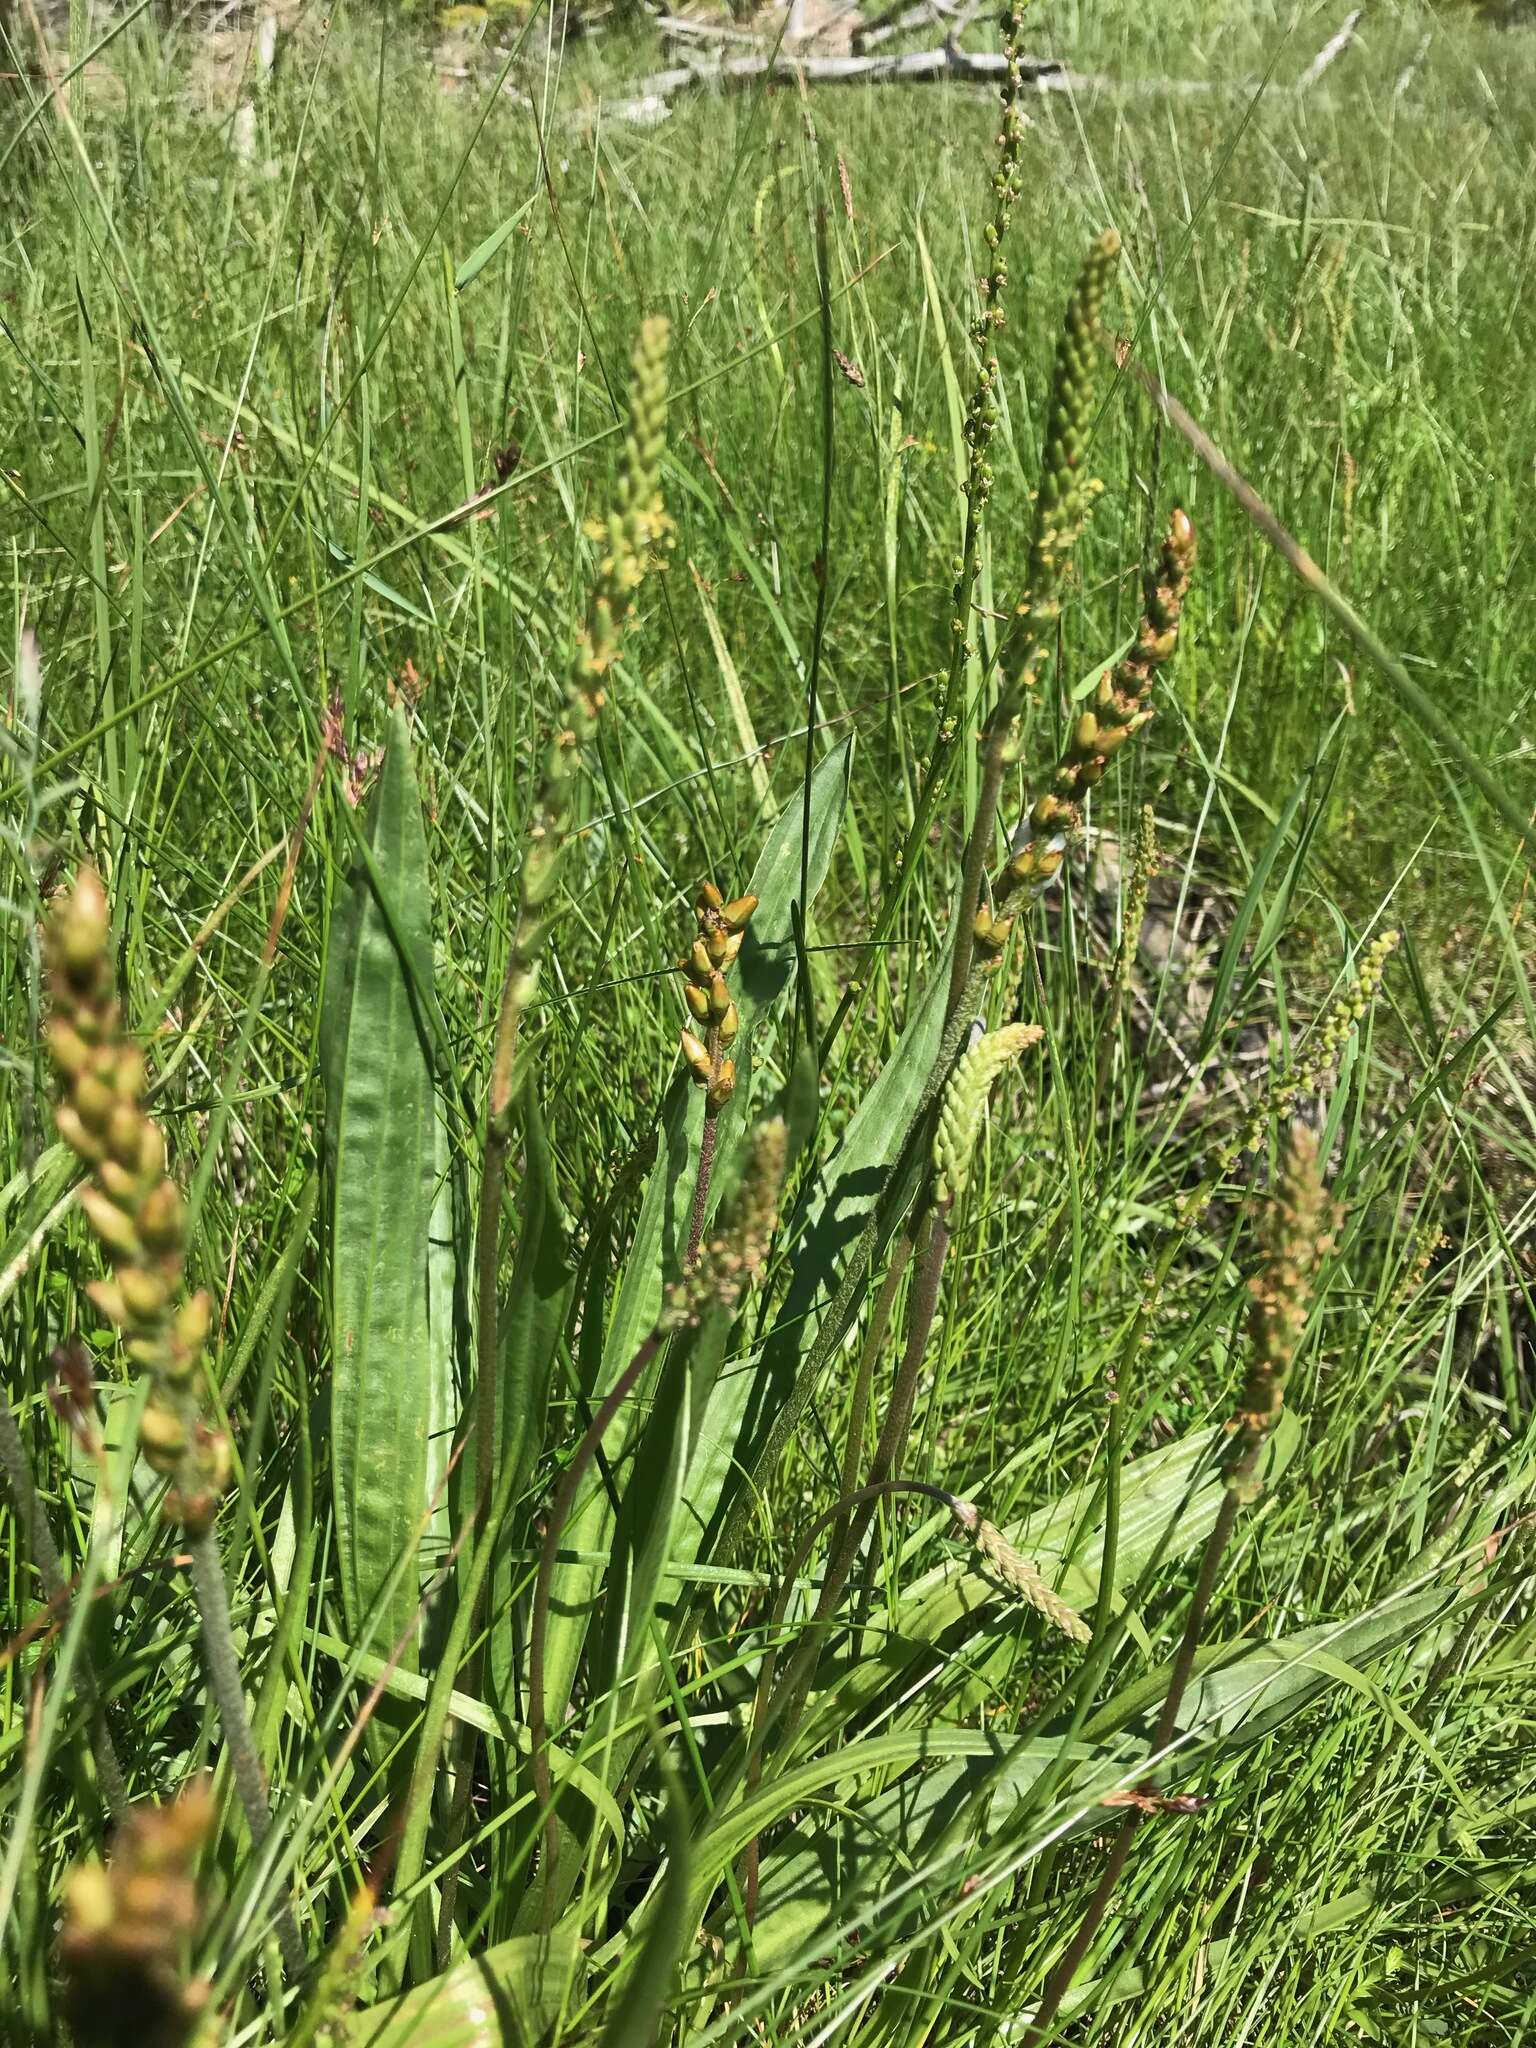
965, 1102
1014, 1571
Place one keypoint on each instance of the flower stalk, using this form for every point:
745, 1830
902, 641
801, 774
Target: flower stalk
1295, 1234
710, 1031
1062, 504
139, 1218
636, 528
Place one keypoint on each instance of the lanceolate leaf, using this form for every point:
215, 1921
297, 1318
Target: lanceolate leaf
381, 1147
1169, 1500
531, 1326
859, 1849
636, 2005
764, 972
511, 1997
737, 1426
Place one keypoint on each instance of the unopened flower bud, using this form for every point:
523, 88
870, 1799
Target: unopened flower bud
110, 1223
162, 1435
162, 1218
696, 1056
144, 1291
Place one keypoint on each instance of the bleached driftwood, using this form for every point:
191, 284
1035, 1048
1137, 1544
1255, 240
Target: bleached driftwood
653, 94
651, 97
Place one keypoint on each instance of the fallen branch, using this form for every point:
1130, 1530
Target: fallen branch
652, 95
682, 28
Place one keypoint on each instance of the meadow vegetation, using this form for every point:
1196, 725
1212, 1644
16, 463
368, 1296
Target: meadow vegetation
767, 1153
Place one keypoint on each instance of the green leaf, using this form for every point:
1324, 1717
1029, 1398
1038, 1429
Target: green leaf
381, 1140
765, 968
859, 1846
531, 1329
636, 2005
1169, 1501
478, 257
514, 1996
751, 1410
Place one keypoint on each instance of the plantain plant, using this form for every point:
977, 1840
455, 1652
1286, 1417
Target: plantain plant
641, 1655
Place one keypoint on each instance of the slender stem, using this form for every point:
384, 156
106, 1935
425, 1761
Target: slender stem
835, 1323
50, 1569
929, 1235
1421, 703
764, 1709
977, 848
700, 1210
1059, 1982
869, 1351
223, 1666
538, 1631
493, 1178
930, 1242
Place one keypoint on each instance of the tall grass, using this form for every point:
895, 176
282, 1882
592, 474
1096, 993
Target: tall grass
824, 1553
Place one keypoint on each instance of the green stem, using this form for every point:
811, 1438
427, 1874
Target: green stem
1419, 701
977, 848
538, 1631
869, 1351
835, 1324
1059, 1982
50, 1569
928, 1234
493, 1176
765, 1709
223, 1666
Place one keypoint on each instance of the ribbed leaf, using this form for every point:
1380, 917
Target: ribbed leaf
531, 1326
860, 1846
634, 2011
764, 971
381, 1145
737, 1427
511, 1997
1169, 1500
